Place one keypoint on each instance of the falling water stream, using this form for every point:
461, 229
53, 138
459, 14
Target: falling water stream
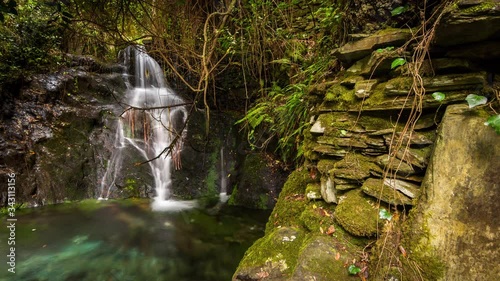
153, 124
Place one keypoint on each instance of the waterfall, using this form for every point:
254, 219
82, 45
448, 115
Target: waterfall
223, 197
154, 118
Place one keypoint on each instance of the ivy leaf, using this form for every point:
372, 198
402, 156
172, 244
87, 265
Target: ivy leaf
494, 122
399, 10
438, 96
475, 100
353, 269
385, 215
397, 62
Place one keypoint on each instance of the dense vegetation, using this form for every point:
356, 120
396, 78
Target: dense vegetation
260, 57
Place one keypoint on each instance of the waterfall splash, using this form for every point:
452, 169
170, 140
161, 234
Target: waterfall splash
153, 123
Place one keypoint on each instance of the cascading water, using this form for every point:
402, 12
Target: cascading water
152, 124
223, 197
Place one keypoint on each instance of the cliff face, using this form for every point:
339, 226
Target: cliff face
53, 136
368, 149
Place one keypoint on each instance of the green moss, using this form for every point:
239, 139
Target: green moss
339, 93
377, 97
313, 191
316, 215
358, 214
278, 250
483, 7
416, 241
325, 165
291, 201
131, 188
263, 200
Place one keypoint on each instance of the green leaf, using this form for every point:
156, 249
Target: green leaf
494, 122
397, 62
343, 132
438, 96
475, 100
399, 10
385, 215
353, 269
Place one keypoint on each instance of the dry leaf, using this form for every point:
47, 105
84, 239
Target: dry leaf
262, 274
337, 256
402, 250
330, 230
321, 230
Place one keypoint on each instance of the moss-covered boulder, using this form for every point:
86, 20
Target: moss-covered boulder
259, 182
291, 201
323, 258
272, 257
455, 223
358, 214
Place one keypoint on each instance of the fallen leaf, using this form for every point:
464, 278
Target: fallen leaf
321, 230
262, 274
402, 250
337, 256
326, 213
330, 230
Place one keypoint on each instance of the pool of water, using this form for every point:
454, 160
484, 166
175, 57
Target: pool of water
125, 240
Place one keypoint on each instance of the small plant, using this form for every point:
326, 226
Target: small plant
399, 10
385, 215
494, 122
438, 96
353, 269
397, 62
475, 100
386, 49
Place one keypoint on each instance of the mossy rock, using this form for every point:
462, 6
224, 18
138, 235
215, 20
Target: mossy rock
377, 189
323, 258
313, 191
273, 256
291, 201
317, 216
354, 167
325, 165
358, 214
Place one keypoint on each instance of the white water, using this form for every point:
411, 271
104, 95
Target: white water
149, 131
223, 197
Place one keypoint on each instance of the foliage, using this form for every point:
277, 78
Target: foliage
282, 113
438, 96
494, 122
397, 62
7, 8
385, 215
475, 100
353, 269
399, 10
29, 41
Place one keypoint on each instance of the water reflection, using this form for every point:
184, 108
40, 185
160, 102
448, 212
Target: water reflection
124, 240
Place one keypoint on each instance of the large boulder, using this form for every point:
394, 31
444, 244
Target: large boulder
455, 226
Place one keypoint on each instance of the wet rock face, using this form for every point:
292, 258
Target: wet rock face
48, 139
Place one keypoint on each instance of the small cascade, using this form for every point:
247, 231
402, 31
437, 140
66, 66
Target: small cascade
153, 122
223, 197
